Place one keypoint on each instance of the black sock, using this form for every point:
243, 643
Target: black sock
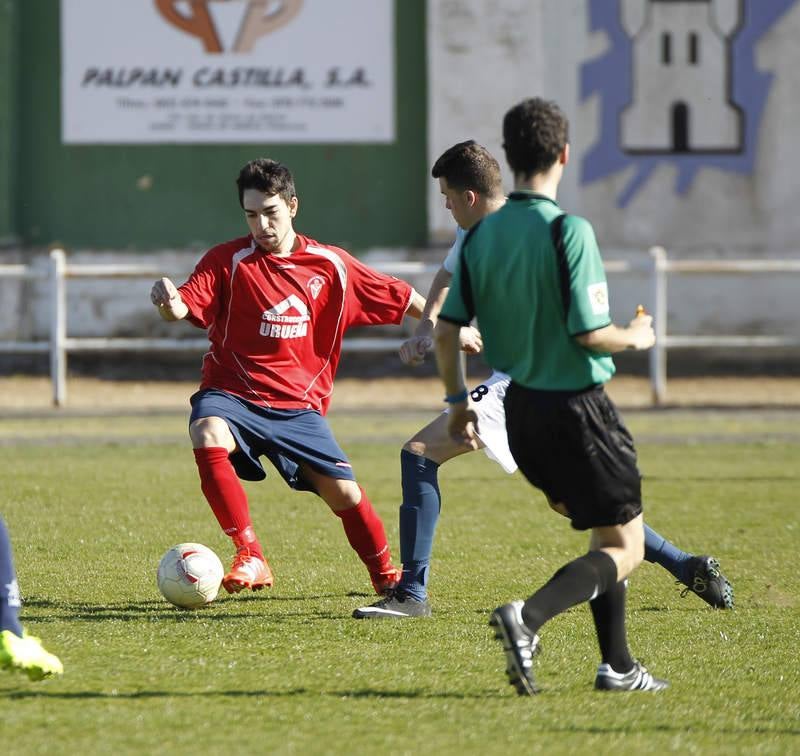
578, 581
608, 611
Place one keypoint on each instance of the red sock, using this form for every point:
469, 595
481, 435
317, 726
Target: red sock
224, 492
364, 531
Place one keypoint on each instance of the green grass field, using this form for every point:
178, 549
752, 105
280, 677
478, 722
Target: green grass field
92, 502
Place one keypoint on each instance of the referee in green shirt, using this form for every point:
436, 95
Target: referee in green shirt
534, 279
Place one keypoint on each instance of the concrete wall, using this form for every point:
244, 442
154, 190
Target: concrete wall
120, 307
484, 56
481, 56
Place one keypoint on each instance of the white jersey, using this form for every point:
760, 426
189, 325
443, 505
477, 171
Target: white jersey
449, 263
487, 397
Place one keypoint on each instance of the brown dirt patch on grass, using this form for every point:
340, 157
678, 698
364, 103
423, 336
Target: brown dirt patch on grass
36, 393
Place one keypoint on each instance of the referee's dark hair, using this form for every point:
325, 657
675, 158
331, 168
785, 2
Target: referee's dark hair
268, 176
535, 131
466, 166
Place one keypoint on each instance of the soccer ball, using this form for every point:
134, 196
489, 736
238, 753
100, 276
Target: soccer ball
189, 575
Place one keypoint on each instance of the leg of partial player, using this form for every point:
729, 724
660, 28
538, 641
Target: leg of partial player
700, 574
10, 601
18, 650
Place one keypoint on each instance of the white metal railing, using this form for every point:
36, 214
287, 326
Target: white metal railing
57, 271
661, 267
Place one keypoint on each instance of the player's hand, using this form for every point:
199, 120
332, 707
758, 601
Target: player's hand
462, 425
413, 350
641, 329
164, 295
470, 340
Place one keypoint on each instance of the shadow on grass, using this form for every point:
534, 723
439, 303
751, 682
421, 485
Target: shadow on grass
145, 694
369, 693
158, 610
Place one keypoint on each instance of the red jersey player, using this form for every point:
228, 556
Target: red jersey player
276, 305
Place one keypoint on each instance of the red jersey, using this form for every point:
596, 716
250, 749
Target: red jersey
276, 323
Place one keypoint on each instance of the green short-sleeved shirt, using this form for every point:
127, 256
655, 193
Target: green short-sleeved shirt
508, 277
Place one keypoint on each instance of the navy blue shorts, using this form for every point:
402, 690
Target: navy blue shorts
287, 438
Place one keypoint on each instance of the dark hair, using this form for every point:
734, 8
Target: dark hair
268, 176
534, 133
467, 165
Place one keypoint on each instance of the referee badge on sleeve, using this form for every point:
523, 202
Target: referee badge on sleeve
598, 297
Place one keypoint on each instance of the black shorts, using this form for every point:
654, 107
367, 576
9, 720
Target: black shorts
575, 448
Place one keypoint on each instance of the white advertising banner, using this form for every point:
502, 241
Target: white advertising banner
227, 71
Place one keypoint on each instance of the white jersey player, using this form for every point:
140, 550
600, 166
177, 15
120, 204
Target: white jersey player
432, 446
487, 396
471, 183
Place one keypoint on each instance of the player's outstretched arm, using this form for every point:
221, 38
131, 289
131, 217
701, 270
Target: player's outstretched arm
167, 299
416, 306
414, 349
436, 296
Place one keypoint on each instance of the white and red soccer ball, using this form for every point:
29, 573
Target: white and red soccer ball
189, 575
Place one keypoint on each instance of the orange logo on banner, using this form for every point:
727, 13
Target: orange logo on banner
260, 17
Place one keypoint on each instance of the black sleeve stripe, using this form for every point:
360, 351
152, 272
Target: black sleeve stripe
464, 278
466, 290
470, 231
557, 236
454, 321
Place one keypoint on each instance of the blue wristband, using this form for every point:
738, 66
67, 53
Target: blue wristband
457, 398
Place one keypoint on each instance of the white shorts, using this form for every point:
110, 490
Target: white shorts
487, 399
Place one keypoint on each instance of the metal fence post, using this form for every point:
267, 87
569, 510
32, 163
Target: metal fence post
658, 354
58, 326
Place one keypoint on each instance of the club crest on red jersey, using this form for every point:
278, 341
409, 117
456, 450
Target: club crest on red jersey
286, 320
315, 285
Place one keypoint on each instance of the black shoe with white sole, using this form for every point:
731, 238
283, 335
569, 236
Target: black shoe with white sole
519, 644
637, 679
397, 604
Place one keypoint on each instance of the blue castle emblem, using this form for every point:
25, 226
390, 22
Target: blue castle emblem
678, 84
